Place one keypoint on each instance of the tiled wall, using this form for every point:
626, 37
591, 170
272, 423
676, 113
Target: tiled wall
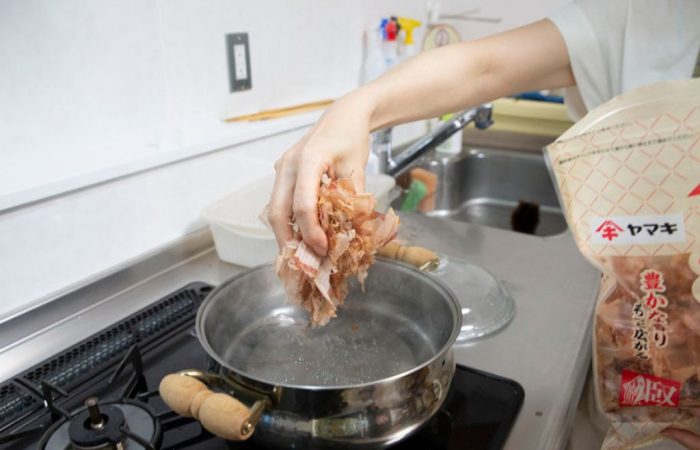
86, 85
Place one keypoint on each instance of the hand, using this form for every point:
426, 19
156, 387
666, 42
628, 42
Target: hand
337, 145
689, 440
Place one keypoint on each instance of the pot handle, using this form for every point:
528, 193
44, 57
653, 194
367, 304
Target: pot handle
419, 257
219, 413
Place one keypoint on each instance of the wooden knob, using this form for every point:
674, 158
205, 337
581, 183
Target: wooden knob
179, 391
197, 402
226, 417
416, 256
219, 413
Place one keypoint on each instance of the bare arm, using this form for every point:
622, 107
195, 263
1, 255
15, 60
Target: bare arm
444, 80
452, 78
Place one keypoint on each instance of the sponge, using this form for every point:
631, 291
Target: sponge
430, 180
416, 193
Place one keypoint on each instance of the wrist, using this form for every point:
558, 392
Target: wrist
383, 111
361, 105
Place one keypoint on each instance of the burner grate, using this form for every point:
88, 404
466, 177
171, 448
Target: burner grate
102, 350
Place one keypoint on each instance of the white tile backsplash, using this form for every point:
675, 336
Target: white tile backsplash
59, 242
80, 86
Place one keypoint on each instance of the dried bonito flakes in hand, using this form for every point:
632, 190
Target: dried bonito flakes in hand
629, 180
354, 231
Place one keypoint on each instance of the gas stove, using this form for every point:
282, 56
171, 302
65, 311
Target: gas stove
102, 393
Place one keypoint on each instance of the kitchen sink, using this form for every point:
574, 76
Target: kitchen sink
484, 186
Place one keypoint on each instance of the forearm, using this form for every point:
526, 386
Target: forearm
431, 84
455, 77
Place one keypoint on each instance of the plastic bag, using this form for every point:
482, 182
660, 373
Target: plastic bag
628, 177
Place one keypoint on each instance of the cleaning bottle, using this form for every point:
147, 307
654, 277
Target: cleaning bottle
453, 144
408, 48
391, 49
374, 64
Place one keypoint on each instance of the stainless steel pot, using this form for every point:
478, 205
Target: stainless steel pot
369, 378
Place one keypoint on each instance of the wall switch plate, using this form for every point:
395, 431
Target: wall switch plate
238, 54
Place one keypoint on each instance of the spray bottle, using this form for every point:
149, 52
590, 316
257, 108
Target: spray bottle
374, 64
408, 48
391, 49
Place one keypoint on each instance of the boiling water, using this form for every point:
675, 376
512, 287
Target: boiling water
359, 346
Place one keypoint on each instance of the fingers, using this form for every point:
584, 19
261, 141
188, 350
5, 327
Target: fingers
295, 193
305, 204
279, 212
298, 177
689, 440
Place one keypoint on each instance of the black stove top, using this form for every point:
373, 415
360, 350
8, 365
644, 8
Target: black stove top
105, 389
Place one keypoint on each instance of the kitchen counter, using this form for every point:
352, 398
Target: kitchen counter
546, 348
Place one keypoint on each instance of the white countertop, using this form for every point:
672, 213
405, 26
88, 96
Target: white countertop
546, 348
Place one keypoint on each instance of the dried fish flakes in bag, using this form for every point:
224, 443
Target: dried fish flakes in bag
628, 177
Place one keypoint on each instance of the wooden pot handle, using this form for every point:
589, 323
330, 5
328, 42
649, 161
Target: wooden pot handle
419, 257
220, 414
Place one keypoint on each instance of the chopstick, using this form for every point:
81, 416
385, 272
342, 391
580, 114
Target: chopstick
280, 112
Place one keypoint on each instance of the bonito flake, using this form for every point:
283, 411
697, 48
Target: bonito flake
629, 181
354, 231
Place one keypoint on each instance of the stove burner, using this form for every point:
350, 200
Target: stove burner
97, 420
105, 426
94, 429
127, 420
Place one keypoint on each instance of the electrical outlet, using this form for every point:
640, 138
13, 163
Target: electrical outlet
238, 54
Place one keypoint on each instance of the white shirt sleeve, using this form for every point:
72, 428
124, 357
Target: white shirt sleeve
594, 42
618, 45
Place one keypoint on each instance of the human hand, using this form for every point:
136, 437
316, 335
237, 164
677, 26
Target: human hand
337, 145
688, 439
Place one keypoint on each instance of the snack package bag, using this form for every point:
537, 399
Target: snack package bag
628, 177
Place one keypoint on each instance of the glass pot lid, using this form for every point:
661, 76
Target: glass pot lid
486, 305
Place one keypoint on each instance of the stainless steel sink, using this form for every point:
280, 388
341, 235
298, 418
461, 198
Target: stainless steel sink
484, 186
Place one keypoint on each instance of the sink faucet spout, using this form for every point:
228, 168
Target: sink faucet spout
396, 165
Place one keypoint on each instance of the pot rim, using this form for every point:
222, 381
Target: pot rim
439, 285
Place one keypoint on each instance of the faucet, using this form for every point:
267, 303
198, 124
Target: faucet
396, 165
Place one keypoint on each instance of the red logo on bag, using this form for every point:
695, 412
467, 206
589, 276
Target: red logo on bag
609, 230
638, 389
